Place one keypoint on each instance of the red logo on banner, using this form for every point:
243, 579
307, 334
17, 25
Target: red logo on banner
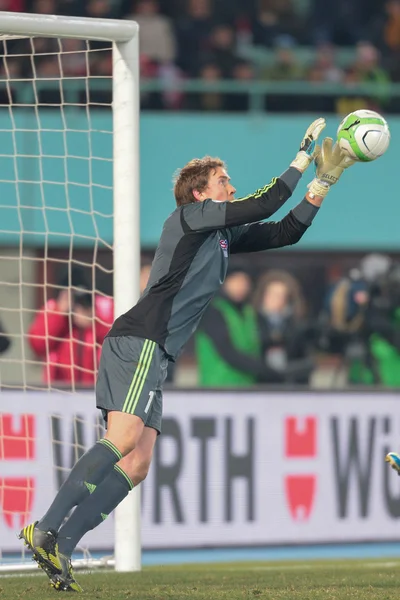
17, 493
300, 442
17, 443
16, 498
300, 490
300, 437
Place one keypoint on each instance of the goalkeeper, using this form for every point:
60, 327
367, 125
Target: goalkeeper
189, 266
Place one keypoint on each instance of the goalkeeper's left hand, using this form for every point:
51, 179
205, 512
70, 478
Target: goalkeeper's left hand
308, 149
330, 163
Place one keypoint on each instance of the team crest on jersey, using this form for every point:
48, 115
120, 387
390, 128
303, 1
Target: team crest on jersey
224, 247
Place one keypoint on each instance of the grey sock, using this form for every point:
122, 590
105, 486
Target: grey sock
94, 509
88, 472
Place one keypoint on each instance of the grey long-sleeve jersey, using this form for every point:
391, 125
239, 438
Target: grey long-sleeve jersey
192, 257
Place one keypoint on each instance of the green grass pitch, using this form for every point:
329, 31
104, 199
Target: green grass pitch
333, 580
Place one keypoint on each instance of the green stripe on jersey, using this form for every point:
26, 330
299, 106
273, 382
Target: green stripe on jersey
142, 371
258, 193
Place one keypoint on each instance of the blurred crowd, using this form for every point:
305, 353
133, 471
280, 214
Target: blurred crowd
263, 333
214, 40
259, 330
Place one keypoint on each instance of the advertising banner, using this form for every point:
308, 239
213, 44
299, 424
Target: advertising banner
229, 469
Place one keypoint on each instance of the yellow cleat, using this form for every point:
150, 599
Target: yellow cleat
44, 547
65, 582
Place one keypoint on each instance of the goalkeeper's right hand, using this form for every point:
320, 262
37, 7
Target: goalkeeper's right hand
308, 149
330, 163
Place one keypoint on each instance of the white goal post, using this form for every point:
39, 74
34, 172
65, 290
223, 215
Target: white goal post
126, 225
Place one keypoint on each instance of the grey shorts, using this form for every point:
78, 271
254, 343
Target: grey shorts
132, 371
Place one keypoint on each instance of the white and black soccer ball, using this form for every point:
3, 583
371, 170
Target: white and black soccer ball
364, 135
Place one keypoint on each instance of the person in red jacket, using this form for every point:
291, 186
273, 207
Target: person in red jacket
68, 332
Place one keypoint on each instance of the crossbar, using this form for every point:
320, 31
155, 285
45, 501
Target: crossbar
25, 24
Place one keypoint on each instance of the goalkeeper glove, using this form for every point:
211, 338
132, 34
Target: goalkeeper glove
330, 163
308, 149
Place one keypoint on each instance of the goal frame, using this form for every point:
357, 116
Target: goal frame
124, 36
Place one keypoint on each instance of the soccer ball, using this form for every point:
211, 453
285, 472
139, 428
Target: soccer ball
364, 135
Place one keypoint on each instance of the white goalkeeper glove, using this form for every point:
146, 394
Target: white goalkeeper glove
308, 149
330, 163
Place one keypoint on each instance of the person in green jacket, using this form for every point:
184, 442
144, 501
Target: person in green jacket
227, 344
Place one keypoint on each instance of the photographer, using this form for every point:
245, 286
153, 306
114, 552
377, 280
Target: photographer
286, 337
68, 332
363, 322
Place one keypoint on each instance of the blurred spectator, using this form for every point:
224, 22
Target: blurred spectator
45, 7
157, 39
367, 63
384, 29
243, 72
325, 63
100, 68
68, 331
286, 338
10, 70
228, 347
73, 57
343, 22
180, 38
102, 64
4, 340
101, 9
384, 32
74, 8
171, 76
349, 103
222, 49
48, 68
193, 33
286, 66
369, 70
391, 31
207, 100
13, 5
323, 70
274, 18
149, 70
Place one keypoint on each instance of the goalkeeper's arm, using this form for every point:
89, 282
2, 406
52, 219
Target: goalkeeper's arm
209, 215
330, 164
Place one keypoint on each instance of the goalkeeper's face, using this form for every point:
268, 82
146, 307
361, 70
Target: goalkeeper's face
219, 187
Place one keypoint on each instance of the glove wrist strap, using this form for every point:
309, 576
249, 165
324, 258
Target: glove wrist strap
319, 188
302, 161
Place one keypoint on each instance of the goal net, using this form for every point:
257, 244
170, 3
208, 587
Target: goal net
69, 256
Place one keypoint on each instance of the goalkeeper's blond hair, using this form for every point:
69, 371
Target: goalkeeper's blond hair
194, 176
